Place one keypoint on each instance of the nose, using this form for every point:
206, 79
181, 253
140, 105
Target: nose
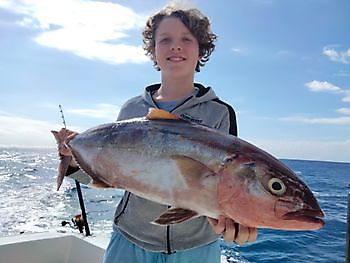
175, 47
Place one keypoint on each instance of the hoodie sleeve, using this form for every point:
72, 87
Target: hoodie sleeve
133, 108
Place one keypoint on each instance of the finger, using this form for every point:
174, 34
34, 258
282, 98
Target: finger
64, 150
230, 230
64, 133
243, 235
253, 234
218, 225
71, 136
212, 221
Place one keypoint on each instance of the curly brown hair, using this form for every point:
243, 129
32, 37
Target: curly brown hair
193, 19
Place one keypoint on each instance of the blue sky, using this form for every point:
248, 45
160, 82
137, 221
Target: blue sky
283, 66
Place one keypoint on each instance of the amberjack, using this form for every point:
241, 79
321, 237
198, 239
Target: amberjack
194, 169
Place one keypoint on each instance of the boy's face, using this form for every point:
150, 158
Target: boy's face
176, 49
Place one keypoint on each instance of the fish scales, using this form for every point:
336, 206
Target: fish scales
149, 151
198, 171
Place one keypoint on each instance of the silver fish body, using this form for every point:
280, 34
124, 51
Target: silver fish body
198, 171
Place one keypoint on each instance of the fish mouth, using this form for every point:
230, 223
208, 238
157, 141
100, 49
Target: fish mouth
307, 216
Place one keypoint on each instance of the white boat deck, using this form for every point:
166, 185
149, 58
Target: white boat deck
55, 248
52, 248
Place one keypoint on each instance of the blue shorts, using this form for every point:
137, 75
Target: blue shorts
121, 249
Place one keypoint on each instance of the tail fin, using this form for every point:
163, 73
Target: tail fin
64, 153
62, 169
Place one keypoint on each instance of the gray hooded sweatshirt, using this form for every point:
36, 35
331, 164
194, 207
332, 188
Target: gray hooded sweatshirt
134, 214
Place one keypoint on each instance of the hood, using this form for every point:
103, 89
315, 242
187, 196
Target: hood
203, 94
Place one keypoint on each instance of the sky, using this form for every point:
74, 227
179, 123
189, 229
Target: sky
283, 65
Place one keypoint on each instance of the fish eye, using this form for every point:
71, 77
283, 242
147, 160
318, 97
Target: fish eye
276, 186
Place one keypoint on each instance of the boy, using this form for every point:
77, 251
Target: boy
179, 42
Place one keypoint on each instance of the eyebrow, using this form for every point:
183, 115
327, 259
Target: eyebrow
164, 34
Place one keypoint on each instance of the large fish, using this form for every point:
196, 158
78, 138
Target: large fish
194, 169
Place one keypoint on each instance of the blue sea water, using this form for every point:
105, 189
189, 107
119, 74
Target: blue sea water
30, 203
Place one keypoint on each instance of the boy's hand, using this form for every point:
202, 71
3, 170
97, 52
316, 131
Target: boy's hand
63, 137
232, 231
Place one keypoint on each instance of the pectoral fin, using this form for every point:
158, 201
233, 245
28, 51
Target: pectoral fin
193, 171
96, 183
174, 216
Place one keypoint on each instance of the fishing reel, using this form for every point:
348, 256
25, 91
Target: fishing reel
77, 222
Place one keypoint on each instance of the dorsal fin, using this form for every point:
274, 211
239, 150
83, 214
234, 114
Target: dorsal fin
158, 114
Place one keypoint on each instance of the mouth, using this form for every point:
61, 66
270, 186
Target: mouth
176, 59
307, 216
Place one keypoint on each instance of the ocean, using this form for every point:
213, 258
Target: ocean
29, 203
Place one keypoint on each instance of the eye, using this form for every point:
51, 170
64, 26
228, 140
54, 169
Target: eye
164, 40
187, 39
276, 186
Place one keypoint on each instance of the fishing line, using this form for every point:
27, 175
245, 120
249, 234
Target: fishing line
62, 116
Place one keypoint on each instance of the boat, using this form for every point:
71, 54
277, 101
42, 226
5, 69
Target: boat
52, 247
55, 247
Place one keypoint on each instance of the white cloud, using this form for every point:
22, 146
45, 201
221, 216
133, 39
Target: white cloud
26, 132
347, 96
327, 150
321, 86
337, 56
285, 53
238, 51
90, 29
18, 131
342, 73
322, 121
317, 86
345, 111
105, 111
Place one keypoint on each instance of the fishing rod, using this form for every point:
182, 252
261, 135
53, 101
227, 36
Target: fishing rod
80, 195
347, 246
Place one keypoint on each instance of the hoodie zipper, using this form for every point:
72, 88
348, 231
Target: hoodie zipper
182, 103
168, 247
